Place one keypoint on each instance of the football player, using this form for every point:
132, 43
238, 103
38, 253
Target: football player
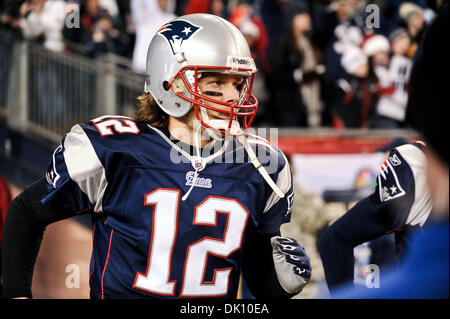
182, 197
401, 204
423, 271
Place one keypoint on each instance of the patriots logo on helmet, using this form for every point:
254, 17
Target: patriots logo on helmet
176, 32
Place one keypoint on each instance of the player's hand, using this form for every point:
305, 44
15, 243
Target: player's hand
292, 264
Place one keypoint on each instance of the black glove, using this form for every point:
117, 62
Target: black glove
292, 264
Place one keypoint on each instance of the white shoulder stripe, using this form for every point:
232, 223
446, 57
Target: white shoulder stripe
413, 156
84, 167
284, 182
422, 205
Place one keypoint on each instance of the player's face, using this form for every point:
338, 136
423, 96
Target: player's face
221, 87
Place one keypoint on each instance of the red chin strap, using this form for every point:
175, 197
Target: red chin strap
245, 111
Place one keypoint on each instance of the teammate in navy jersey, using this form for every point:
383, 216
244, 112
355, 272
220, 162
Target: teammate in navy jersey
400, 203
182, 197
423, 272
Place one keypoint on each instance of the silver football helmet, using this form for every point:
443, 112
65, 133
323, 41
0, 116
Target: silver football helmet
186, 47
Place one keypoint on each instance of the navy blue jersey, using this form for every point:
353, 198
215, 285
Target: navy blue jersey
149, 241
401, 203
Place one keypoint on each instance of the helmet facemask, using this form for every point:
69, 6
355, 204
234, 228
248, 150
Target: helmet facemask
238, 117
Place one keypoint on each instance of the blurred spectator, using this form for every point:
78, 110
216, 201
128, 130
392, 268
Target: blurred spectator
293, 62
310, 68
197, 6
216, 7
414, 17
328, 15
394, 82
377, 48
352, 95
346, 34
43, 20
104, 35
252, 35
125, 24
97, 33
243, 15
337, 30
148, 16
10, 26
276, 16
303, 66
110, 6
254, 31
10, 16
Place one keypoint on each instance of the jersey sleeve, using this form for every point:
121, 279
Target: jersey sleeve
75, 177
277, 210
401, 194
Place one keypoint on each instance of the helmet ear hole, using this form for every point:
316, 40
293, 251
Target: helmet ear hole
166, 85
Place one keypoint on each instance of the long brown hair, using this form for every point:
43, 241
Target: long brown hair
149, 112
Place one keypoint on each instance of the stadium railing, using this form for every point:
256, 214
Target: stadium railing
44, 92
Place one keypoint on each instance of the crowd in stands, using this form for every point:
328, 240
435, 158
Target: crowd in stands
335, 63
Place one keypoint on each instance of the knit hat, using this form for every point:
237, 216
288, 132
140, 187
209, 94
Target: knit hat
408, 8
397, 33
375, 44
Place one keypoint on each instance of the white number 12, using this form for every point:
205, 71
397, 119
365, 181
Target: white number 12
166, 204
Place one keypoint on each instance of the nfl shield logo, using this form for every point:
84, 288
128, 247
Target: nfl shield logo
197, 164
395, 161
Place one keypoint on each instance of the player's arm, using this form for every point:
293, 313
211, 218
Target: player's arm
25, 222
75, 182
274, 266
386, 210
359, 225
